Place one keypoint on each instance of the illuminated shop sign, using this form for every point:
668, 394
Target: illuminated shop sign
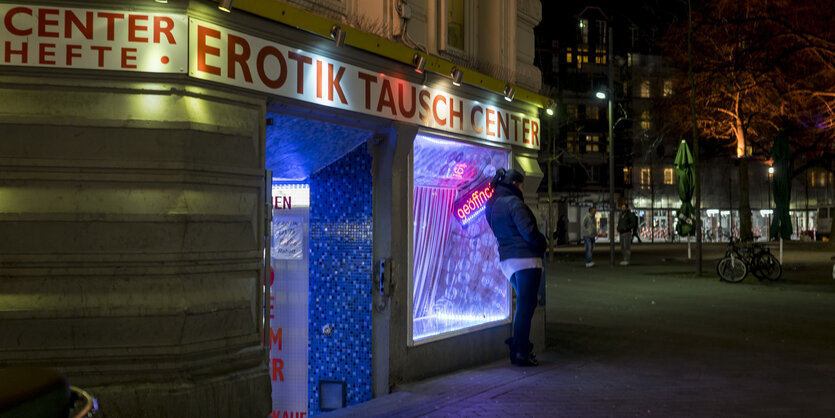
42, 36
126, 40
472, 204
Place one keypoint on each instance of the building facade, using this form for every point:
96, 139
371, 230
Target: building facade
227, 214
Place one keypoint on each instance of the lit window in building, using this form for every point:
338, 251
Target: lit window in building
627, 175
599, 56
573, 143
571, 110
601, 32
582, 57
645, 120
668, 176
592, 143
812, 177
823, 179
646, 177
629, 59
668, 88
645, 88
583, 31
455, 23
569, 55
593, 112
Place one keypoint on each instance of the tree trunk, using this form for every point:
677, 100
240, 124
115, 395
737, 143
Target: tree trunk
698, 190
745, 229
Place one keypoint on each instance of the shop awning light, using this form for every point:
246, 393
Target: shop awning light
161, 1
225, 5
457, 75
419, 62
509, 92
338, 35
550, 107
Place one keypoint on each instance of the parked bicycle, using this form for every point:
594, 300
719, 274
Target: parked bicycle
754, 258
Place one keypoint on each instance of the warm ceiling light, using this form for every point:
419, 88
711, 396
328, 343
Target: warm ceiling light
550, 107
509, 92
338, 35
225, 5
457, 75
419, 61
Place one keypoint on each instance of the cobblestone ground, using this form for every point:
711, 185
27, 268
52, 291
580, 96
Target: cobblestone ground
652, 339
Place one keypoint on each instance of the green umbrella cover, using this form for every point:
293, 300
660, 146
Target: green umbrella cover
686, 184
781, 224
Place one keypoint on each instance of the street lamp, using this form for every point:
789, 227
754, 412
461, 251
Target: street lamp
608, 95
770, 211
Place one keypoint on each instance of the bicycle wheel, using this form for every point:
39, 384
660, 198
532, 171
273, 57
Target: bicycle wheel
731, 272
768, 266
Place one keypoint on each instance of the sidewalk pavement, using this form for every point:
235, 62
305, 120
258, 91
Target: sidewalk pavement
612, 357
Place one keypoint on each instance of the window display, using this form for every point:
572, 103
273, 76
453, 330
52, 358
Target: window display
457, 282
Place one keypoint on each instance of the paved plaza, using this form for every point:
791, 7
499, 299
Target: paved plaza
652, 339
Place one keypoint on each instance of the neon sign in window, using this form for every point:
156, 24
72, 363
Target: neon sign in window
472, 204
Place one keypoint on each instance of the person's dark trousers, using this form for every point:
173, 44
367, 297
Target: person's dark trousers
526, 285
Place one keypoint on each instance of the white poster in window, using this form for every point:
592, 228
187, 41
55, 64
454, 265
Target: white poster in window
288, 238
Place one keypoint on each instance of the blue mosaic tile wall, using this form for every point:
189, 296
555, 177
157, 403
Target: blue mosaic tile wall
340, 277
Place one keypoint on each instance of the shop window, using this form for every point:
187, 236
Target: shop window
668, 176
457, 284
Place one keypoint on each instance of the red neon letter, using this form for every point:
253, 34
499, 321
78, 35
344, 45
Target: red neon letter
476, 128
43, 54
489, 121
43, 21
369, 78
235, 58
259, 64
70, 20
407, 113
438, 98
133, 28
203, 49
333, 83
275, 338
72, 54
100, 50
126, 57
8, 21
386, 98
111, 18
301, 60
277, 366
453, 114
158, 28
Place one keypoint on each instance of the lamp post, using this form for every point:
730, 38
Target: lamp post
610, 60
608, 95
770, 211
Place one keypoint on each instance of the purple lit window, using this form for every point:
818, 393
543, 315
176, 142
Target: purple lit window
457, 283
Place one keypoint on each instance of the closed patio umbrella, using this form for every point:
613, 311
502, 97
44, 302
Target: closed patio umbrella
781, 224
686, 184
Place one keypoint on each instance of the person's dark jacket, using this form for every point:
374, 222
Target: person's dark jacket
513, 224
627, 221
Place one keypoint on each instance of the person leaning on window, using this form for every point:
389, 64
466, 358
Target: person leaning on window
521, 248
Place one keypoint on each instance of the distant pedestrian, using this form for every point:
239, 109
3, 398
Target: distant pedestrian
589, 234
521, 248
561, 234
627, 223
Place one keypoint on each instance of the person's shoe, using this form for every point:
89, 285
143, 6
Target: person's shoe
590, 264
512, 354
624, 263
524, 360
